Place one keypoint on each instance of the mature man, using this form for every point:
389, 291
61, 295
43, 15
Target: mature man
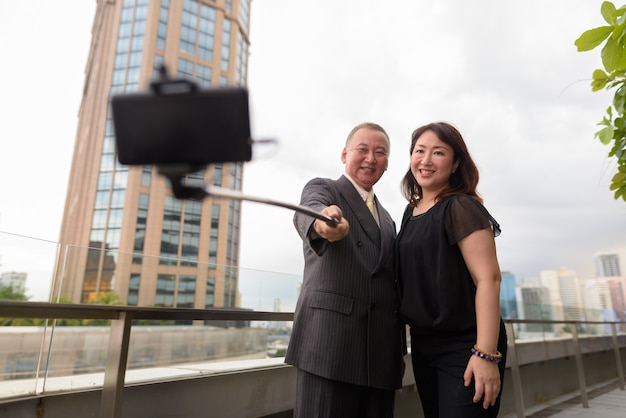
347, 341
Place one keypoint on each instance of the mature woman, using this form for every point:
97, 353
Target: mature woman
450, 279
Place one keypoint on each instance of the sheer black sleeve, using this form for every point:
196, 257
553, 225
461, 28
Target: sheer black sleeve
465, 215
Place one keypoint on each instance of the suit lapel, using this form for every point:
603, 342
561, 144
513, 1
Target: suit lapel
388, 234
360, 210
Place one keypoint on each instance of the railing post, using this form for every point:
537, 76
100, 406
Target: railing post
579, 366
115, 371
618, 357
511, 356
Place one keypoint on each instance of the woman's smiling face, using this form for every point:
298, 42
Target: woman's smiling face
432, 162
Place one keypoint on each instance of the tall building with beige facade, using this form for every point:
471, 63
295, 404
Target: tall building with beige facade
123, 231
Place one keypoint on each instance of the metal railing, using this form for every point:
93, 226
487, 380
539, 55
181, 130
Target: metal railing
119, 339
574, 326
122, 318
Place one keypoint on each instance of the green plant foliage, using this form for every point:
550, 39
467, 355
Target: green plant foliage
107, 298
7, 293
613, 76
103, 298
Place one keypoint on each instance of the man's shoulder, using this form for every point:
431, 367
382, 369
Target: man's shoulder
342, 183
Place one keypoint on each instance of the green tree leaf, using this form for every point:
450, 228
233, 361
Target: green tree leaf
612, 55
620, 193
618, 30
619, 178
592, 38
599, 81
605, 135
609, 13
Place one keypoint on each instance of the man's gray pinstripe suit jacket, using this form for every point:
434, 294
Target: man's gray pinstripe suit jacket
346, 324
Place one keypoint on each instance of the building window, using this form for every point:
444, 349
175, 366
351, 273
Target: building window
165, 291
185, 69
197, 28
215, 221
242, 60
209, 300
170, 231
189, 22
225, 45
244, 14
191, 233
206, 33
203, 75
140, 229
162, 28
156, 69
195, 72
229, 286
133, 289
146, 175
217, 174
186, 292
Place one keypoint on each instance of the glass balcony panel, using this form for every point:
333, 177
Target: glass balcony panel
33, 257
39, 356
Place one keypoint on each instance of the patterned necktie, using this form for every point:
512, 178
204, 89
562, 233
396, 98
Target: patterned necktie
369, 201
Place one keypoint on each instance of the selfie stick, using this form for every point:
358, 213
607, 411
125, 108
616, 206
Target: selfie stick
182, 191
233, 194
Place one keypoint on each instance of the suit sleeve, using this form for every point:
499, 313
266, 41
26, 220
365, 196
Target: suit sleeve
316, 195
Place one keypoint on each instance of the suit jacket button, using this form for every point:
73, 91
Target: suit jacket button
359, 244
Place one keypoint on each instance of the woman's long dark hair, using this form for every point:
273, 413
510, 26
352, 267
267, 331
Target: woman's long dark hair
465, 177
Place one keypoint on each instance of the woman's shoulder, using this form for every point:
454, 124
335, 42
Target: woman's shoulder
408, 211
464, 202
464, 198
467, 209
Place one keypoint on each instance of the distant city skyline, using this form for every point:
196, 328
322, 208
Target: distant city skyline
258, 288
561, 295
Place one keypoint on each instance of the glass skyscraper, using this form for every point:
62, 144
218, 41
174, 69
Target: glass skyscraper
123, 231
508, 302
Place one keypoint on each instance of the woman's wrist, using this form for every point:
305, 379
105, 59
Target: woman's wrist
492, 357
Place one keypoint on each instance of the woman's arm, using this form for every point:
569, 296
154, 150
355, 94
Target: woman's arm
479, 252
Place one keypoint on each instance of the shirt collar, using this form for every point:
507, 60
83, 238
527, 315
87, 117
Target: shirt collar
358, 188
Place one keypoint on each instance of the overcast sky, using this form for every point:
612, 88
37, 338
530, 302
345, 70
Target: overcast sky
505, 72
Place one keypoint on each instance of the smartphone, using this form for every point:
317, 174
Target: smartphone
197, 127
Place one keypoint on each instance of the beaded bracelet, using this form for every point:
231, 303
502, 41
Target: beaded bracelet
494, 358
